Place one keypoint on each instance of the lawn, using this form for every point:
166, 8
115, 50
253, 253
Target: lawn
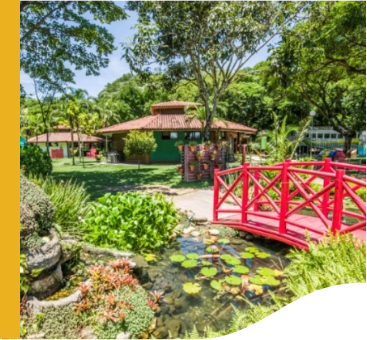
102, 178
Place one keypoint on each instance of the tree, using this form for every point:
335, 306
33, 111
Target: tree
280, 144
56, 37
202, 40
139, 144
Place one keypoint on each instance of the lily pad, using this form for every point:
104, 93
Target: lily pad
216, 284
209, 271
268, 272
192, 256
225, 256
252, 250
247, 255
178, 258
191, 288
208, 241
264, 280
241, 269
233, 280
206, 263
223, 241
262, 255
258, 289
232, 261
150, 257
212, 250
189, 263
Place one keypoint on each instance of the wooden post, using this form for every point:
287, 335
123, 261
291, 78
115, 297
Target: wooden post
338, 201
244, 192
244, 148
256, 189
326, 196
284, 197
215, 196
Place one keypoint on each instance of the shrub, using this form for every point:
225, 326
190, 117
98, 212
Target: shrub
70, 201
36, 200
27, 220
34, 161
362, 193
134, 221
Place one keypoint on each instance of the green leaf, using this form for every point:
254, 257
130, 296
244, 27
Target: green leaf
262, 255
177, 258
191, 288
268, 272
247, 255
230, 260
241, 269
189, 264
253, 250
216, 284
192, 256
209, 271
233, 280
223, 241
264, 280
206, 263
212, 250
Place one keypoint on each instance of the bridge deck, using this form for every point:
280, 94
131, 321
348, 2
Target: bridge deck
294, 236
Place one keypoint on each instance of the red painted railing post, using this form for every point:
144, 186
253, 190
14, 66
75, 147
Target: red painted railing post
215, 196
256, 189
284, 204
244, 192
326, 196
338, 201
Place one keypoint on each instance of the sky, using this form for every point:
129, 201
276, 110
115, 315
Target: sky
123, 31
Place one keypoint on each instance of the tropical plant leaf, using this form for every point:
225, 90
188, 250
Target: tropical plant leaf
191, 288
189, 264
177, 258
233, 280
241, 269
216, 284
192, 256
209, 271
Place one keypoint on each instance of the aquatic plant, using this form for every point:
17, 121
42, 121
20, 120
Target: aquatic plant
229, 259
208, 241
268, 272
240, 269
253, 250
191, 288
223, 241
192, 256
206, 263
212, 249
264, 280
216, 284
189, 264
133, 221
233, 280
262, 255
150, 257
178, 258
247, 255
157, 295
209, 271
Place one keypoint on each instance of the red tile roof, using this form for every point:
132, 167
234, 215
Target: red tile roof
58, 137
172, 122
175, 103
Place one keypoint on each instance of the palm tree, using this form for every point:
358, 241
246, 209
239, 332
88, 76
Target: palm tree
281, 144
199, 113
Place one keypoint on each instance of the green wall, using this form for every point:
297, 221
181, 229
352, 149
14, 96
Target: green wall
166, 150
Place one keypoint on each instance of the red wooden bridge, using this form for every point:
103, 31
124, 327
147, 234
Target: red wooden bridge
289, 200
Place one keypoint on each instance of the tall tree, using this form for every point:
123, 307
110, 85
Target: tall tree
56, 37
202, 40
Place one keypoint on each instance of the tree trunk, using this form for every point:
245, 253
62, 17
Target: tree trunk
47, 142
347, 143
72, 145
138, 162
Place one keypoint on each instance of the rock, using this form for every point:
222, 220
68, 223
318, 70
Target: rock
144, 335
161, 333
195, 233
213, 231
237, 241
167, 288
242, 233
249, 237
105, 251
173, 327
46, 256
188, 230
199, 219
88, 333
47, 285
147, 285
140, 261
36, 336
124, 335
168, 299
181, 303
46, 239
159, 322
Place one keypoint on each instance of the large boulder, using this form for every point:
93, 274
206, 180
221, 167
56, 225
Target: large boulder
27, 220
34, 198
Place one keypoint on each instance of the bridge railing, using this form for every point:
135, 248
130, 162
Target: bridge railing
287, 188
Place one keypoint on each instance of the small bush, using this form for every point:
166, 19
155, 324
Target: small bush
27, 220
34, 161
362, 193
36, 200
134, 221
70, 201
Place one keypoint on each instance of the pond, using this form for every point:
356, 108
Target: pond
235, 269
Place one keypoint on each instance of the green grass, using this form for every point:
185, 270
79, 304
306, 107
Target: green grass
100, 179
